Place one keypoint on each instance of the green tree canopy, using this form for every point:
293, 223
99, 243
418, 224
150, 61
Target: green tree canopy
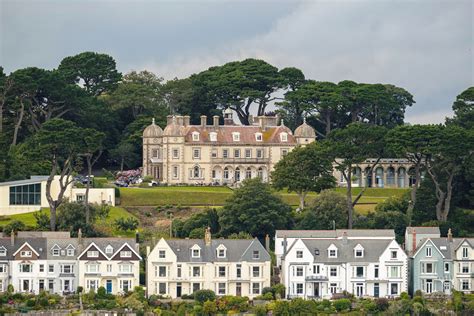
463, 109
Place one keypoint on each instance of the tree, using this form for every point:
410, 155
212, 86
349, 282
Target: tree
5, 86
124, 154
291, 110
96, 72
328, 208
304, 169
451, 149
350, 146
463, 109
59, 143
253, 208
72, 217
412, 142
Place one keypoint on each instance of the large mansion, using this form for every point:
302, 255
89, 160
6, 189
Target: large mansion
223, 154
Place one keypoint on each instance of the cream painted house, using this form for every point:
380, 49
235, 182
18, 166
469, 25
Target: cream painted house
226, 266
220, 154
24, 196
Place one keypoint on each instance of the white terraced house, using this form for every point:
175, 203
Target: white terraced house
320, 268
226, 266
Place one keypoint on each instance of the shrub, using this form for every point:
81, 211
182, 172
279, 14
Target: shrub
197, 233
382, 304
342, 304
101, 292
259, 310
14, 225
209, 308
278, 290
126, 224
202, 296
281, 308
405, 296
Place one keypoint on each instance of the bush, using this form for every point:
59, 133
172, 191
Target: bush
126, 224
197, 233
382, 304
259, 310
209, 308
15, 226
342, 304
202, 296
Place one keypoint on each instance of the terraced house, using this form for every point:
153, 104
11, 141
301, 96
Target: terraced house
324, 267
226, 266
53, 261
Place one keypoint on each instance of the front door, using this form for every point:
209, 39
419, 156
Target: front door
238, 289
376, 290
429, 286
360, 289
316, 289
178, 289
108, 286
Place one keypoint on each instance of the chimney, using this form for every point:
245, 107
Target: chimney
12, 238
413, 244
79, 236
215, 120
450, 235
187, 120
203, 120
137, 237
169, 119
180, 120
261, 122
147, 251
344, 238
285, 242
207, 236
267, 242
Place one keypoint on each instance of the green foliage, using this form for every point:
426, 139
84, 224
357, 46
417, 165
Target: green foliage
202, 296
342, 304
126, 224
13, 226
327, 207
197, 233
72, 217
208, 218
240, 235
42, 221
260, 215
281, 308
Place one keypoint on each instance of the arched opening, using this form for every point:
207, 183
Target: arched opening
379, 177
237, 174
196, 172
226, 173
411, 177
402, 172
248, 173
260, 173
391, 176
368, 177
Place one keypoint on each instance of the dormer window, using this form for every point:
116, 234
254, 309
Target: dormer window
195, 136
299, 254
213, 136
70, 252
359, 251
258, 137
284, 137
221, 251
125, 254
195, 251
332, 251
3, 251
109, 250
428, 251
92, 254
55, 250
465, 252
256, 254
236, 137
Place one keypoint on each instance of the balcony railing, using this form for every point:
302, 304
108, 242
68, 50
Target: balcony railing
240, 160
316, 278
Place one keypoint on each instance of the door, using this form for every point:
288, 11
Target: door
359, 289
238, 289
376, 290
316, 289
108, 286
178, 289
429, 286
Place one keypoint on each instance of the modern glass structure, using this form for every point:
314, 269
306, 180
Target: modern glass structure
29, 194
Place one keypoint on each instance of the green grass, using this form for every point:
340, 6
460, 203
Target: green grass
375, 192
27, 218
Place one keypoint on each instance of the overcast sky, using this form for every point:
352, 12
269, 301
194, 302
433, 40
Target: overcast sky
424, 46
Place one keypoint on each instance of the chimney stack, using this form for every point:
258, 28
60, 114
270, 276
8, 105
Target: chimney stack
203, 120
413, 243
284, 245
187, 120
344, 238
267, 243
450, 235
79, 236
137, 237
12, 237
169, 119
180, 120
215, 120
207, 236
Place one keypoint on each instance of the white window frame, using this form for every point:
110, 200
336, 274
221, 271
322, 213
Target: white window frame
236, 136
92, 254
162, 254
429, 252
195, 136
109, 250
248, 153
125, 254
213, 136
3, 251
175, 153
284, 137
26, 253
258, 137
196, 153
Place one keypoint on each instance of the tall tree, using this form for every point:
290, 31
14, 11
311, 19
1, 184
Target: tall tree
291, 110
463, 109
350, 146
5, 86
124, 154
97, 73
304, 169
59, 144
413, 143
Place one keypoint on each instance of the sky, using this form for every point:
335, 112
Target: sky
424, 46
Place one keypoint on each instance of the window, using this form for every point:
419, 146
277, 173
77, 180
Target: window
67, 268
333, 288
70, 252
3, 268
109, 268
196, 271
359, 253
256, 272
196, 153
161, 254
236, 153
125, 268
93, 254
248, 153
196, 172
446, 267
221, 289
41, 268
299, 288
195, 136
256, 288
284, 137
29, 194
299, 254
213, 136
175, 172
236, 137
258, 137
161, 271
393, 254
376, 271
161, 288
239, 270
394, 272
256, 254
316, 269
464, 267
51, 285
427, 268
225, 153
125, 254
26, 253
248, 173
226, 173
393, 288
175, 153
3, 251
109, 249
465, 285
238, 289
359, 272
80, 198
428, 251
333, 271
332, 253
196, 287
26, 267
154, 153
299, 271
465, 252
40, 285
316, 252
178, 270
259, 153
196, 253
125, 285
284, 151
92, 268
221, 253
214, 153
221, 272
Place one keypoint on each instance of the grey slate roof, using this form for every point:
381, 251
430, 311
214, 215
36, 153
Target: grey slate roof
373, 249
237, 250
443, 242
423, 230
38, 244
336, 233
32, 180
